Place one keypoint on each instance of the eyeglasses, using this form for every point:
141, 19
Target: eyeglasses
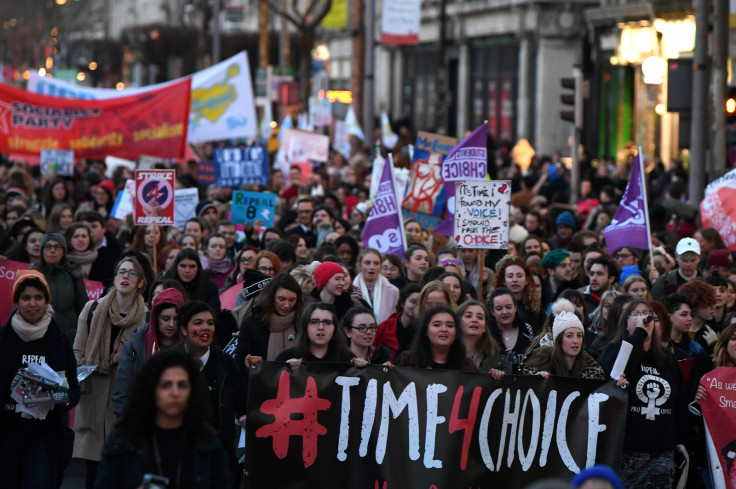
637, 315
52, 246
325, 322
620, 256
444, 263
365, 329
267, 269
247, 259
130, 273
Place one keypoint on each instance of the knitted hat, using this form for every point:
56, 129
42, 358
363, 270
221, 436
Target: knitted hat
58, 237
629, 271
554, 257
563, 321
24, 275
566, 219
597, 472
203, 205
719, 258
253, 282
108, 185
325, 272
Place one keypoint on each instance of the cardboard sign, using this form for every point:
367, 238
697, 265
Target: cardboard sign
250, 206
306, 146
57, 161
185, 206
8, 270
94, 289
482, 214
237, 166
154, 202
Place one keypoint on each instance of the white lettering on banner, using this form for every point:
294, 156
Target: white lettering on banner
155, 220
7, 274
520, 423
158, 175
33, 359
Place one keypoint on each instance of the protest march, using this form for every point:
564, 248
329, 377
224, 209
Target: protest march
192, 298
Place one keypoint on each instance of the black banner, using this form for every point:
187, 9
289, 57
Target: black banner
335, 426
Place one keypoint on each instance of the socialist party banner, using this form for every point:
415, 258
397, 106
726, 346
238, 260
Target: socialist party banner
335, 426
154, 197
154, 123
236, 166
222, 104
8, 270
719, 412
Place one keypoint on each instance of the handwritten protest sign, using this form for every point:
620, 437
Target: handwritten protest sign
154, 202
185, 206
58, 161
236, 166
94, 289
8, 270
249, 206
719, 412
482, 214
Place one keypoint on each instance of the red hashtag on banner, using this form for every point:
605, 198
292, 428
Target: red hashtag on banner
283, 408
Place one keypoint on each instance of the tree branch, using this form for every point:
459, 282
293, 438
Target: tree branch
327, 5
283, 13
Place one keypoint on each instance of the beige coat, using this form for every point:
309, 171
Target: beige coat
94, 419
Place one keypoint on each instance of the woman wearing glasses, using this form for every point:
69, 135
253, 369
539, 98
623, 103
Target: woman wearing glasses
68, 295
319, 340
657, 403
267, 263
360, 328
104, 327
187, 269
243, 261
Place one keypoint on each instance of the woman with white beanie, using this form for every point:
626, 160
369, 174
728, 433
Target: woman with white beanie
566, 357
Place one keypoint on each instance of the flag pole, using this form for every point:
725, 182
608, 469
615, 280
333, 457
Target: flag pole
398, 204
642, 174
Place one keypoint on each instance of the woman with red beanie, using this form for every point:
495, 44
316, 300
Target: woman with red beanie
332, 286
163, 335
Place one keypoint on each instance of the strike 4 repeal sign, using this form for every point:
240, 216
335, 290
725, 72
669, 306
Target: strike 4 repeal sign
482, 214
154, 203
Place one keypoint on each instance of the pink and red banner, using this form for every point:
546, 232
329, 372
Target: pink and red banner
153, 123
8, 271
94, 289
719, 412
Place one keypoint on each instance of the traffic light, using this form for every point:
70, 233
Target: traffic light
731, 105
572, 101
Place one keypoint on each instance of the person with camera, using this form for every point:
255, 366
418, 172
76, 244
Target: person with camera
656, 416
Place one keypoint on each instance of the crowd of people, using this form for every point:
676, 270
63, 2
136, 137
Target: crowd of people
165, 398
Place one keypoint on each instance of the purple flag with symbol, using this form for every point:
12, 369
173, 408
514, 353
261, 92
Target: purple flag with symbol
629, 226
384, 227
467, 161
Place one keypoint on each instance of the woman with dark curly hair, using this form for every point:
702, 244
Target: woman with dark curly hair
187, 269
438, 343
165, 430
514, 274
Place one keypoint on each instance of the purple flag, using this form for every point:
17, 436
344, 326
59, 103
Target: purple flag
629, 226
467, 161
383, 228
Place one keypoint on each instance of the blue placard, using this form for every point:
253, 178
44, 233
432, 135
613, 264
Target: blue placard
236, 166
249, 206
